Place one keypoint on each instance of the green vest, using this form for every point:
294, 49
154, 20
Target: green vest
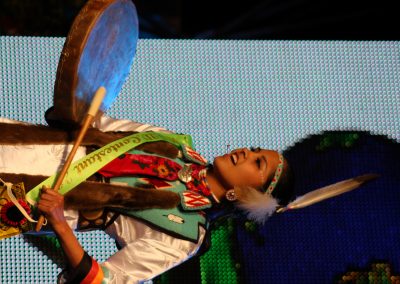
182, 221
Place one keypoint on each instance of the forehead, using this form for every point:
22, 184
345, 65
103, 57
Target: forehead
269, 152
272, 159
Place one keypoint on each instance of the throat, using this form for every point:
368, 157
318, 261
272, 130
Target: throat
216, 187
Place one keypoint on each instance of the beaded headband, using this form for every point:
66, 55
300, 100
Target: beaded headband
277, 176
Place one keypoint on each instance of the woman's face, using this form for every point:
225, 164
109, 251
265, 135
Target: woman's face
245, 167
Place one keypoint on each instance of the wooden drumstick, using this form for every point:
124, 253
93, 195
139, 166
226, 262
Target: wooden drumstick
94, 107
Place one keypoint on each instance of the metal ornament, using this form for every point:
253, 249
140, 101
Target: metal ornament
230, 195
185, 174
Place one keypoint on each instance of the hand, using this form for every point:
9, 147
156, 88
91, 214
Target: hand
51, 204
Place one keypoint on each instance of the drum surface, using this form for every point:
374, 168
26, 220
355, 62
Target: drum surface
98, 51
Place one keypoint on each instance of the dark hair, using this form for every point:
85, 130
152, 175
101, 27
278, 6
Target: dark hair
284, 190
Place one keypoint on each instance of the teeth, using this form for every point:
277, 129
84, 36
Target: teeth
234, 158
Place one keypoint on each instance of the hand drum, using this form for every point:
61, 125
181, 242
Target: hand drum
98, 51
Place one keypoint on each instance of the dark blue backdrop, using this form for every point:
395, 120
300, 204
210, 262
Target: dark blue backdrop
321, 243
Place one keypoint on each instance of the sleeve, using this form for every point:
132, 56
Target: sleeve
107, 123
87, 272
149, 256
140, 260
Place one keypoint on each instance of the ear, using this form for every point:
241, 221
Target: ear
231, 195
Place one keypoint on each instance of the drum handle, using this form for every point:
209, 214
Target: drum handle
94, 107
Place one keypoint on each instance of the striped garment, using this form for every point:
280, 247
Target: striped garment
89, 271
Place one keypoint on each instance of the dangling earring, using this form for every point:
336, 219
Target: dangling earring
230, 195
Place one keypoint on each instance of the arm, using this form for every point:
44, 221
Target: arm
142, 258
110, 124
107, 129
82, 268
148, 252
51, 204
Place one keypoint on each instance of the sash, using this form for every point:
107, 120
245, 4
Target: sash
80, 170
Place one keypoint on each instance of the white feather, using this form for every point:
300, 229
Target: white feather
330, 191
257, 206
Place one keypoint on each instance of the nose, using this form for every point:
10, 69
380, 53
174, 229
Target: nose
242, 154
245, 152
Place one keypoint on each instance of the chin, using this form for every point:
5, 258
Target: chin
219, 163
219, 166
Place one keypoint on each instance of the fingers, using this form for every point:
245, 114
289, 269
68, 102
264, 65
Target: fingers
45, 191
49, 194
50, 199
48, 205
51, 204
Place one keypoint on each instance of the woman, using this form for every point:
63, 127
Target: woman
157, 238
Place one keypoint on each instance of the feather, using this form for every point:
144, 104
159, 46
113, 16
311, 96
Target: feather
329, 191
256, 205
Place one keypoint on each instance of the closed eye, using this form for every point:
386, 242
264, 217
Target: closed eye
258, 162
255, 150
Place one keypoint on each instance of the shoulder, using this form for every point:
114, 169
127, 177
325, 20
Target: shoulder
106, 123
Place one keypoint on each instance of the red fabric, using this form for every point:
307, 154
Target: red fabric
93, 272
131, 165
154, 166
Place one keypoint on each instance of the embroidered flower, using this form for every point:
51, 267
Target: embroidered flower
11, 215
162, 171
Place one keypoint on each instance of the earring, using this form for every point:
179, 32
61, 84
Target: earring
230, 195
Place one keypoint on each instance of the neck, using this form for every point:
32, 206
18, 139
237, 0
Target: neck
216, 188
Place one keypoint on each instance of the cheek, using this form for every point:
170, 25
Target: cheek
249, 177
244, 175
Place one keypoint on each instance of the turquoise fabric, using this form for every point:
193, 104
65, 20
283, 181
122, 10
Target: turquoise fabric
178, 221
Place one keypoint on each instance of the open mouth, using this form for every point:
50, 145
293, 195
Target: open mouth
234, 158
